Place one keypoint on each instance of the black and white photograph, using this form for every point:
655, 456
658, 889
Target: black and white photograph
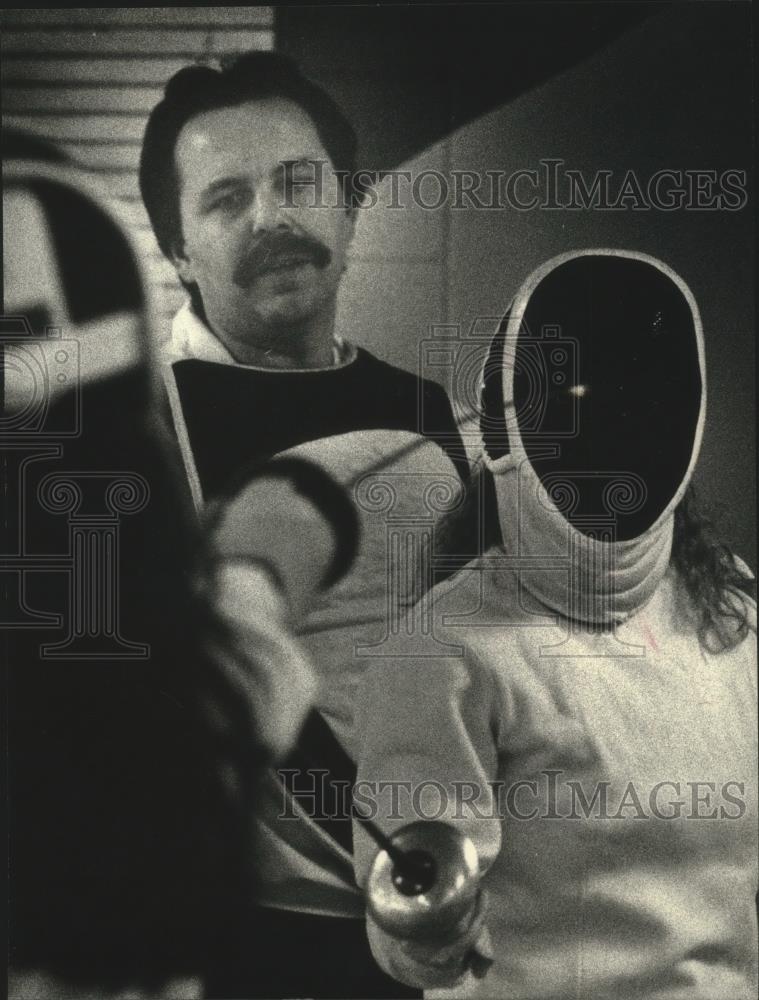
379, 501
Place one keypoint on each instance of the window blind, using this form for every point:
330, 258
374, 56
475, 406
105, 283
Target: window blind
87, 78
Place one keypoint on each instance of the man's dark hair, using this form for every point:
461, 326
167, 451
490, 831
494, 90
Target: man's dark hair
196, 89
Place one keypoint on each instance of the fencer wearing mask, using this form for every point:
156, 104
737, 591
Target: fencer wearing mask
593, 729
139, 730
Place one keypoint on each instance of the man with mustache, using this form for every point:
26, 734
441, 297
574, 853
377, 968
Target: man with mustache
232, 164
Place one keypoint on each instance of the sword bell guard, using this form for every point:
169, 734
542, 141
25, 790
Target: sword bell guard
433, 899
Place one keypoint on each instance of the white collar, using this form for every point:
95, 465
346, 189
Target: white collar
191, 338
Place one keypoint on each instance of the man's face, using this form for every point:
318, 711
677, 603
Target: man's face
262, 259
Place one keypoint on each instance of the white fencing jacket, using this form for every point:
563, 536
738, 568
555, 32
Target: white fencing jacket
604, 765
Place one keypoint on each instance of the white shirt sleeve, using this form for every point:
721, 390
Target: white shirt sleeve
427, 731
427, 735
266, 662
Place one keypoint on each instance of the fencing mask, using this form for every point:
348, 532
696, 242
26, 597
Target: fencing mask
593, 410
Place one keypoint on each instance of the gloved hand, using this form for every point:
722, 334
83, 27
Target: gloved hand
272, 524
428, 964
